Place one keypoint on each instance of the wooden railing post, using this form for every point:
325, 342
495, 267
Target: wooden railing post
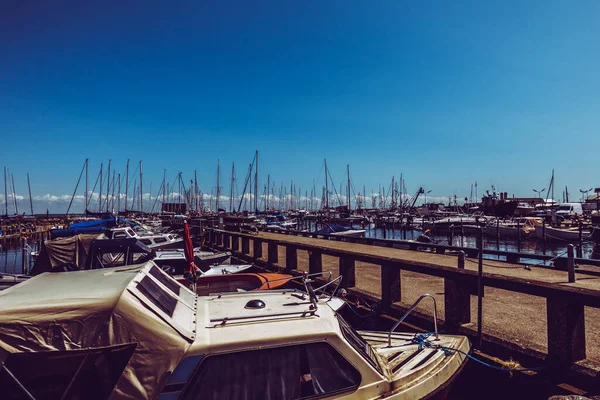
571, 263
245, 245
315, 261
566, 330
235, 243
226, 241
347, 270
257, 246
273, 256
291, 258
390, 285
457, 303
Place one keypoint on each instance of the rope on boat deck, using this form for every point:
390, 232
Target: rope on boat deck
509, 366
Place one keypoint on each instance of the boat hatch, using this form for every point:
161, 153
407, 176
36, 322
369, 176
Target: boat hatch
168, 299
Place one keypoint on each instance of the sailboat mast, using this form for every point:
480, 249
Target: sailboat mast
195, 189
30, 199
349, 201
326, 186
126, 183
112, 196
86, 185
268, 190
119, 193
256, 184
14, 191
218, 184
141, 191
165, 189
5, 194
108, 184
231, 191
100, 195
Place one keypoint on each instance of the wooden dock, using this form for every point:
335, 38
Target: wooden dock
529, 312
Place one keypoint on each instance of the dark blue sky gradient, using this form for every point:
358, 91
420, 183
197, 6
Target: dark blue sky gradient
448, 93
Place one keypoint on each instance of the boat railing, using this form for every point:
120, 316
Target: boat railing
437, 337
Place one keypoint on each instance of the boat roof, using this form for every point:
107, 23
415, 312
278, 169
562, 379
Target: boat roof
226, 321
136, 305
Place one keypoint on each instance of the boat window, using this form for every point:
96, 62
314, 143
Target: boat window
146, 241
180, 377
160, 240
291, 372
130, 232
157, 296
169, 283
73, 374
359, 344
119, 235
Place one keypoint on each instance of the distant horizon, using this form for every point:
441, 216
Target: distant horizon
446, 94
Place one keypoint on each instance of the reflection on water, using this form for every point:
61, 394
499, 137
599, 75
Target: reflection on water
529, 245
11, 260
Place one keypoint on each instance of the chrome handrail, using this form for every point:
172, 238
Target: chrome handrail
437, 337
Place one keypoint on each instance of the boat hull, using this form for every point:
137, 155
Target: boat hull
561, 235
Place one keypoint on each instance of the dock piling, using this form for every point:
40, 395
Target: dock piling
257, 248
315, 261
291, 258
348, 271
273, 253
390, 285
571, 263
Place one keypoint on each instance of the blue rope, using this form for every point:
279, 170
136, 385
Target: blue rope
420, 339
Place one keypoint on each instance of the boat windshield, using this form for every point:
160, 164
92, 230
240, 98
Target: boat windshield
359, 344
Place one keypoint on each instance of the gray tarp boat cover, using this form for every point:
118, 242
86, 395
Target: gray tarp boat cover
64, 254
88, 310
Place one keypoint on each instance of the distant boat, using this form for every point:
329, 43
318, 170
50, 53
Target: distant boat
562, 234
511, 228
339, 230
466, 223
154, 241
203, 259
524, 209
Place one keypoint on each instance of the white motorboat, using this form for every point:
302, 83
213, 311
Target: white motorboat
146, 337
154, 241
339, 230
466, 223
510, 229
562, 234
209, 263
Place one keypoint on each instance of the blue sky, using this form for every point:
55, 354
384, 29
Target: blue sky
447, 93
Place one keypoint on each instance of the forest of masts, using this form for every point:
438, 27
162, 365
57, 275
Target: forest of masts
113, 191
